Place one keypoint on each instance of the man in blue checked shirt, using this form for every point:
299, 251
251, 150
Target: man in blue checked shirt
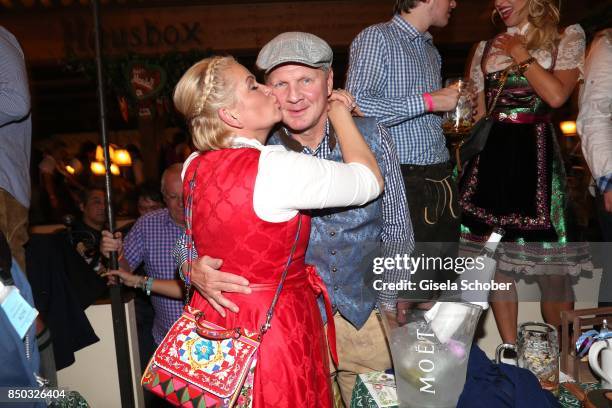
343, 242
394, 74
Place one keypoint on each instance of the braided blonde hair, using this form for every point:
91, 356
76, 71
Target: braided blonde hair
199, 95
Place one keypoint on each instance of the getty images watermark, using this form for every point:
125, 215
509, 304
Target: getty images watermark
479, 270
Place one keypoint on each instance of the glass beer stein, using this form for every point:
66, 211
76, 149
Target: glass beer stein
458, 122
537, 349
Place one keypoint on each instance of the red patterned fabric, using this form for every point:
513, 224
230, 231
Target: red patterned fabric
292, 368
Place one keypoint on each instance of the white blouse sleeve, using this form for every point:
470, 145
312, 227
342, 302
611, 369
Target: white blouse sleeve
595, 118
571, 49
187, 163
476, 73
289, 181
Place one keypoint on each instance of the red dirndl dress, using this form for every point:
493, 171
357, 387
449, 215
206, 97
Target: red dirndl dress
293, 362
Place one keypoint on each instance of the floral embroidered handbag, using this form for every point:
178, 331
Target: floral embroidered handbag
201, 364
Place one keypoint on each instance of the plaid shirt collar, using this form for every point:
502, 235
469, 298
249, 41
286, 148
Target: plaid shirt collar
411, 32
171, 223
324, 149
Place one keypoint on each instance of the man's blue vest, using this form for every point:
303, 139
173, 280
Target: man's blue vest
344, 241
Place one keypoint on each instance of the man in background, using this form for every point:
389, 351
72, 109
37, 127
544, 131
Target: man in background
395, 75
86, 231
15, 145
150, 243
15, 151
595, 128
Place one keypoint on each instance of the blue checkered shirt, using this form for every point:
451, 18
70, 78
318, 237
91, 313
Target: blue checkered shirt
397, 227
150, 241
396, 235
15, 120
391, 66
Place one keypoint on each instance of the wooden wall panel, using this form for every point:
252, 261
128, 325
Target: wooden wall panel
235, 28
66, 102
240, 28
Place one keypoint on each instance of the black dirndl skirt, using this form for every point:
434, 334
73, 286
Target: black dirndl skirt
512, 183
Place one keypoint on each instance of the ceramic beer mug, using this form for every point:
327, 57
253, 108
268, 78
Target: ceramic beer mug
537, 349
603, 370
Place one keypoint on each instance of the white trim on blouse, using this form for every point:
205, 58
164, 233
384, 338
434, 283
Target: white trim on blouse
570, 54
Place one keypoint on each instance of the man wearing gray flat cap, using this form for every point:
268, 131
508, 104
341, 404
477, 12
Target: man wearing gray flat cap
343, 242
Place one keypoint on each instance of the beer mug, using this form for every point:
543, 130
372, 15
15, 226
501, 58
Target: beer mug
537, 349
458, 122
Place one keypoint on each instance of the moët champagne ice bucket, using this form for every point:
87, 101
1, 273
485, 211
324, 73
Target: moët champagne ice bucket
430, 351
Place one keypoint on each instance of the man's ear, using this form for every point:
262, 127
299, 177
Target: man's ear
229, 118
330, 82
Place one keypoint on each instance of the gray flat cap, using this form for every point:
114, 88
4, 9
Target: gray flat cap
302, 48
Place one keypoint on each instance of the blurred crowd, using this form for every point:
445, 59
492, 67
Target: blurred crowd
61, 180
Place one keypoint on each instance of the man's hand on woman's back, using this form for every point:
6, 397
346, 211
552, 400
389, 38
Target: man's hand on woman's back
212, 283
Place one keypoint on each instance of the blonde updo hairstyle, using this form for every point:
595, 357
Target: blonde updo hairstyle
199, 95
544, 17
